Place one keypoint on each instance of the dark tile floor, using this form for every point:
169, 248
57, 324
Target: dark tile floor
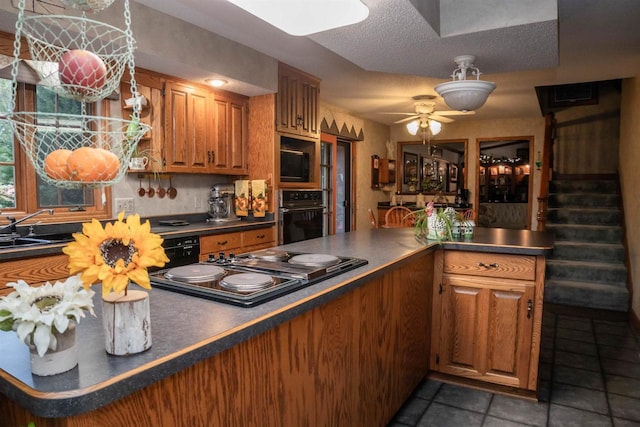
590, 376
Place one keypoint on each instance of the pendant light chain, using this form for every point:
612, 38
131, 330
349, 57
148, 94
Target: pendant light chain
16, 57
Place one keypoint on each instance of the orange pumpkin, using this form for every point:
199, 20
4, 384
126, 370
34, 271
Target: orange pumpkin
55, 164
93, 164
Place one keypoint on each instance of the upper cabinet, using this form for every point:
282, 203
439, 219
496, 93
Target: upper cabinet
297, 102
229, 137
187, 113
205, 132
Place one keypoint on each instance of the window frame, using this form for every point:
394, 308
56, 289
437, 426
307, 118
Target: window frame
26, 178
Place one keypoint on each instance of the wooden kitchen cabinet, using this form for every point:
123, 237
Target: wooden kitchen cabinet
229, 136
238, 242
187, 128
33, 270
205, 132
297, 102
387, 172
487, 317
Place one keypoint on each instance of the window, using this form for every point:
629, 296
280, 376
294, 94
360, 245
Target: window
21, 189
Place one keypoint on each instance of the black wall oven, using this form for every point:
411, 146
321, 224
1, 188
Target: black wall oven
301, 215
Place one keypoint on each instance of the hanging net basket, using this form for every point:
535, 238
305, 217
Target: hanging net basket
72, 151
87, 57
88, 5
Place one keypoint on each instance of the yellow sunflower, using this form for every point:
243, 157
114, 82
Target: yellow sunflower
116, 254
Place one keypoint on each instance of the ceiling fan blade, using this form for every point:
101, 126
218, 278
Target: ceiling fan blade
440, 119
408, 119
403, 114
455, 113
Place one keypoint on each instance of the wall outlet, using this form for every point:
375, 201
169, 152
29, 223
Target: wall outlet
197, 203
124, 204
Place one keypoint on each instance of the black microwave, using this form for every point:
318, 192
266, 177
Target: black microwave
294, 166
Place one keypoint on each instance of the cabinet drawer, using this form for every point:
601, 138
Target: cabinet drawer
220, 242
257, 237
521, 267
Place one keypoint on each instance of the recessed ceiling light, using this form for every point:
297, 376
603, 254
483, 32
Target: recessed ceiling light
304, 17
216, 82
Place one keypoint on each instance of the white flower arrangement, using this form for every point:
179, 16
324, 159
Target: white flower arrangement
34, 312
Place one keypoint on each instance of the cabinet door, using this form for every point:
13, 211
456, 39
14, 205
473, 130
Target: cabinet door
309, 92
287, 102
485, 329
297, 102
229, 136
187, 128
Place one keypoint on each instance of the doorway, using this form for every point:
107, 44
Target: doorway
504, 182
335, 182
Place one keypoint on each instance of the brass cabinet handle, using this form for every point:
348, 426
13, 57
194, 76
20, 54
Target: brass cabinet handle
261, 236
224, 242
492, 265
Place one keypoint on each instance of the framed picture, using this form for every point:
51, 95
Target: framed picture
493, 170
453, 173
410, 163
482, 169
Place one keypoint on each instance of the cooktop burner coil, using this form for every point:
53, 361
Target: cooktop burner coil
195, 273
315, 260
270, 255
246, 282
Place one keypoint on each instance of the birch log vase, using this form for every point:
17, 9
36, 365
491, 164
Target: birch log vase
127, 322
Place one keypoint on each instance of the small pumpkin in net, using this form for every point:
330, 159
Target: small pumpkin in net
91, 164
55, 164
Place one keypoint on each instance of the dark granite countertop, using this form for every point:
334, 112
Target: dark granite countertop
198, 226
187, 329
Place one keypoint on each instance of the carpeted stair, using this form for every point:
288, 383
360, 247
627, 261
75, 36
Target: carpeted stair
587, 267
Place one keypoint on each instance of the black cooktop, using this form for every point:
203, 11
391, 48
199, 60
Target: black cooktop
286, 273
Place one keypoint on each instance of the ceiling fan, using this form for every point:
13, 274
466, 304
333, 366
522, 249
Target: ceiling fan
425, 110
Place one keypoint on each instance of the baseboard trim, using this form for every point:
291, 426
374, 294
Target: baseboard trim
484, 386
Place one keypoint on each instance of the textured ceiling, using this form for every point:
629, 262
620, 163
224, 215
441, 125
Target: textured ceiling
406, 47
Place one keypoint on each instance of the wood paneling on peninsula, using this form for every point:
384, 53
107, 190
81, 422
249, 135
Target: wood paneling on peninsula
351, 361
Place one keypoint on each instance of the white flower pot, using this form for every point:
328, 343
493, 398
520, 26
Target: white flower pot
62, 359
126, 321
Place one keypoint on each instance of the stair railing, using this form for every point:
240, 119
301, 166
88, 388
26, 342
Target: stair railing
546, 168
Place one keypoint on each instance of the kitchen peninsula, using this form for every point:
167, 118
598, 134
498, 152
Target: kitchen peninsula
346, 351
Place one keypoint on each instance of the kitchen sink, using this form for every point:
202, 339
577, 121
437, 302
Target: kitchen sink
21, 242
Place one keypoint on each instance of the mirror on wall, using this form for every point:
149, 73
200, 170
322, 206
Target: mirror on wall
431, 167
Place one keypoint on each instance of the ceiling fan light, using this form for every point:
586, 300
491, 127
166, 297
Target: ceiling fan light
435, 127
304, 17
413, 126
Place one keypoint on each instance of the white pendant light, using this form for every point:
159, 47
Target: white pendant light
462, 94
304, 17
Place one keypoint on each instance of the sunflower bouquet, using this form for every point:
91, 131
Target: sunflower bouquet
117, 254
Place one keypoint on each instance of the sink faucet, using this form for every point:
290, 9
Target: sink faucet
12, 227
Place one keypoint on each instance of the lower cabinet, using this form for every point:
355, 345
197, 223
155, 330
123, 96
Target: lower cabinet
34, 270
237, 242
487, 317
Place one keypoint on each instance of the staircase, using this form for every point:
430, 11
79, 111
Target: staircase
587, 266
